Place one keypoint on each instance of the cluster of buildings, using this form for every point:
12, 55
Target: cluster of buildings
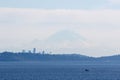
34, 51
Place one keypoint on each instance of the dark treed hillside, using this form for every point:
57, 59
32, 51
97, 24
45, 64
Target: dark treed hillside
9, 56
110, 58
23, 56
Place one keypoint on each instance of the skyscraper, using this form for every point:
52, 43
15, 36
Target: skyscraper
34, 50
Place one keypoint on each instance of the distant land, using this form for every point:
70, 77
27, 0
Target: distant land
43, 56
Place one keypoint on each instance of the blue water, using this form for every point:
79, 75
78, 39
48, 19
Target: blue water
58, 71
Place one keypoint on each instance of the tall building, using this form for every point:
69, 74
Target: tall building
34, 50
29, 51
43, 52
23, 51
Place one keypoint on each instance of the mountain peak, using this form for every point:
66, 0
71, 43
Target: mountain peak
65, 35
64, 39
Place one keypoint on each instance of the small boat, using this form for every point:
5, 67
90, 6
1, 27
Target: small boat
87, 70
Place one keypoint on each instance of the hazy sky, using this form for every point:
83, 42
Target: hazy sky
94, 26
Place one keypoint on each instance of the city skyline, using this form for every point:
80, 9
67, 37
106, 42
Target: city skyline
93, 26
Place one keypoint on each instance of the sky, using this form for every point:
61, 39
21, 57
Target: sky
88, 27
